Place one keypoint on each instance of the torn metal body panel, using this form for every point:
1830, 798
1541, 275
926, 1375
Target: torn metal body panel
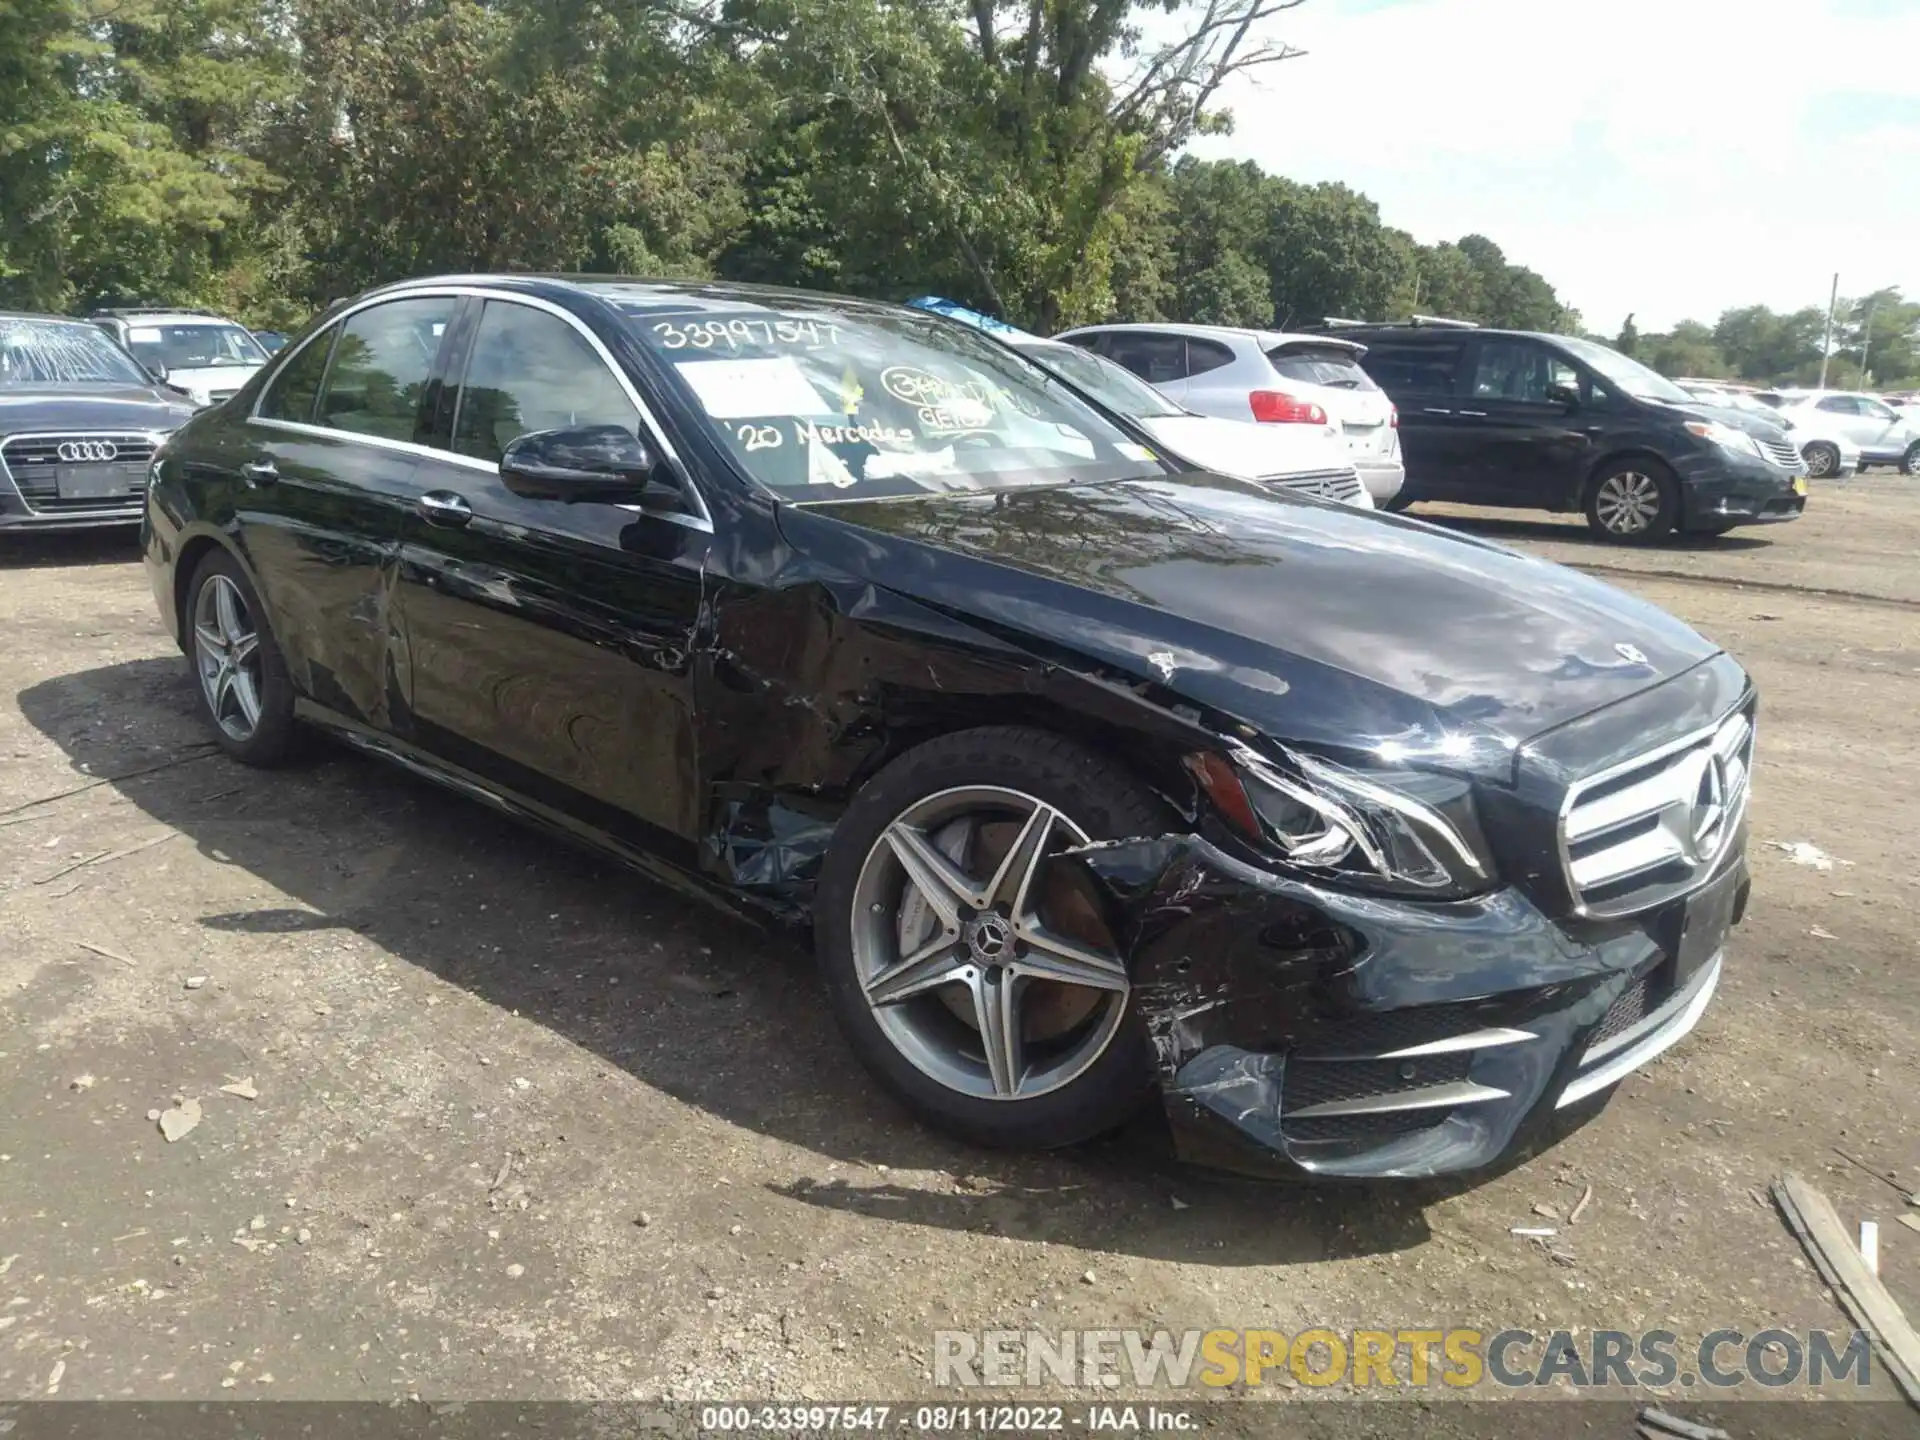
1392, 844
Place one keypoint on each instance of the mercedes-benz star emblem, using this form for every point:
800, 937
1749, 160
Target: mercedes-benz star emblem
990, 939
1709, 806
1632, 654
81, 451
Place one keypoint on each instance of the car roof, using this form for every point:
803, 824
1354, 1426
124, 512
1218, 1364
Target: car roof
1265, 339
42, 315
687, 294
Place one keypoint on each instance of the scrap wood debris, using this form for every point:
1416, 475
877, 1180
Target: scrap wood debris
1811, 1217
1657, 1424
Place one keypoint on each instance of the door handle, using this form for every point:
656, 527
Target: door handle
260, 472
443, 507
1477, 414
1435, 410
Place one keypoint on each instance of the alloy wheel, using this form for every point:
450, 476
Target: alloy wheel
226, 655
1820, 461
981, 951
1628, 503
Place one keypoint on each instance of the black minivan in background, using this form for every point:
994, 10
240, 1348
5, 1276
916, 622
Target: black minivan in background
1553, 422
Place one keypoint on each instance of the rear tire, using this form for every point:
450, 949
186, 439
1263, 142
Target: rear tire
1822, 458
1909, 462
921, 979
1633, 501
245, 693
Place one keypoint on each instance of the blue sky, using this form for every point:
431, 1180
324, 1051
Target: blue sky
1673, 158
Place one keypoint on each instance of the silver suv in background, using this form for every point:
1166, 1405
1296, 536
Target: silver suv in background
1830, 452
1268, 376
206, 356
1886, 436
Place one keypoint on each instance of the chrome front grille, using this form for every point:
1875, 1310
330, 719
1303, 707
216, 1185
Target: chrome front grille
114, 461
1657, 826
1782, 452
1342, 485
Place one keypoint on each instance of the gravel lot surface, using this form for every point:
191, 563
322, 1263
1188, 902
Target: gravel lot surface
513, 1123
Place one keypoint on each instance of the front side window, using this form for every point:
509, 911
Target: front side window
1874, 410
531, 370
291, 393
381, 364
1840, 405
200, 345
816, 400
62, 352
1156, 359
1521, 370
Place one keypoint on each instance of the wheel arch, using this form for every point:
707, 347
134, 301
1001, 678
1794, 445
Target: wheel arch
191, 554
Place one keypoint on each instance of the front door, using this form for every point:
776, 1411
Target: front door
549, 645
322, 473
1526, 440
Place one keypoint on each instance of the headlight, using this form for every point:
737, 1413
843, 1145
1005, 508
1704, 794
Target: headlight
1399, 832
1725, 436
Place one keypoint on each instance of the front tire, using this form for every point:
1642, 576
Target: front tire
1633, 502
239, 675
1909, 462
972, 967
1822, 459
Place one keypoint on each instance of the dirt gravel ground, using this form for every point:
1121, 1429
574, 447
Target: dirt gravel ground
515, 1124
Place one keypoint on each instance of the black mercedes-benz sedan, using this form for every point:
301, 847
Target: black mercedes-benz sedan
79, 424
1369, 846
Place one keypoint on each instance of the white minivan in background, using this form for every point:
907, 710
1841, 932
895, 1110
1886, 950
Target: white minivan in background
1268, 376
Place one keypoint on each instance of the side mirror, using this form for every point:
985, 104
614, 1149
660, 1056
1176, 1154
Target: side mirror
599, 463
158, 372
1564, 395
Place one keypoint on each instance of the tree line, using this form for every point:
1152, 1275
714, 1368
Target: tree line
264, 157
1875, 344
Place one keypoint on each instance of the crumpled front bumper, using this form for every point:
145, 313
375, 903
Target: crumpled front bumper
1306, 1031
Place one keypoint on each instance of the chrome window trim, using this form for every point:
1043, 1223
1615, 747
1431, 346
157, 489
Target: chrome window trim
1708, 869
702, 521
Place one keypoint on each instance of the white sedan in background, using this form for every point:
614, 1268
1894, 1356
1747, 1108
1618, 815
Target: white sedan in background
1270, 377
1309, 460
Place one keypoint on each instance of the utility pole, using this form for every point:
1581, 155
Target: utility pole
1826, 344
1866, 345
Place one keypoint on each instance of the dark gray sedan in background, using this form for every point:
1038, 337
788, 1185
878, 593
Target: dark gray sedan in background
80, 421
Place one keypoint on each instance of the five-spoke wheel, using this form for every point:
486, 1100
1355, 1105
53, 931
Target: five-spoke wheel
969, 952
243, 682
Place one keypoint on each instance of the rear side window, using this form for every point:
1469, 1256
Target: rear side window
1205, 355
533, 371
1840, 405
1156, 359
1429, 367
1337, 368
380, 365
295, 388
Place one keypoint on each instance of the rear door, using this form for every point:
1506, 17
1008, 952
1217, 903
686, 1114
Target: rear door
1423, 374
322, 472
549, 644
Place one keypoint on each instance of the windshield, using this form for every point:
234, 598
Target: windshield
820, 402
62, 352
1108, 381
198, 346
1630, 375
1338, 369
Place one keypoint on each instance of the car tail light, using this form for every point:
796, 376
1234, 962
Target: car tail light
1276, 407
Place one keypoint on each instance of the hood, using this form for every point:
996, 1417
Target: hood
70, 407
1758, 426
1312, 622
209, 378
1248, 451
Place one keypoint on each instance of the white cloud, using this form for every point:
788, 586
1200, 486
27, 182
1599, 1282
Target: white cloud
1672, 158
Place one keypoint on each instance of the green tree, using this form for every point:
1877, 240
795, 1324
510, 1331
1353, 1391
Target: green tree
1628, 342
